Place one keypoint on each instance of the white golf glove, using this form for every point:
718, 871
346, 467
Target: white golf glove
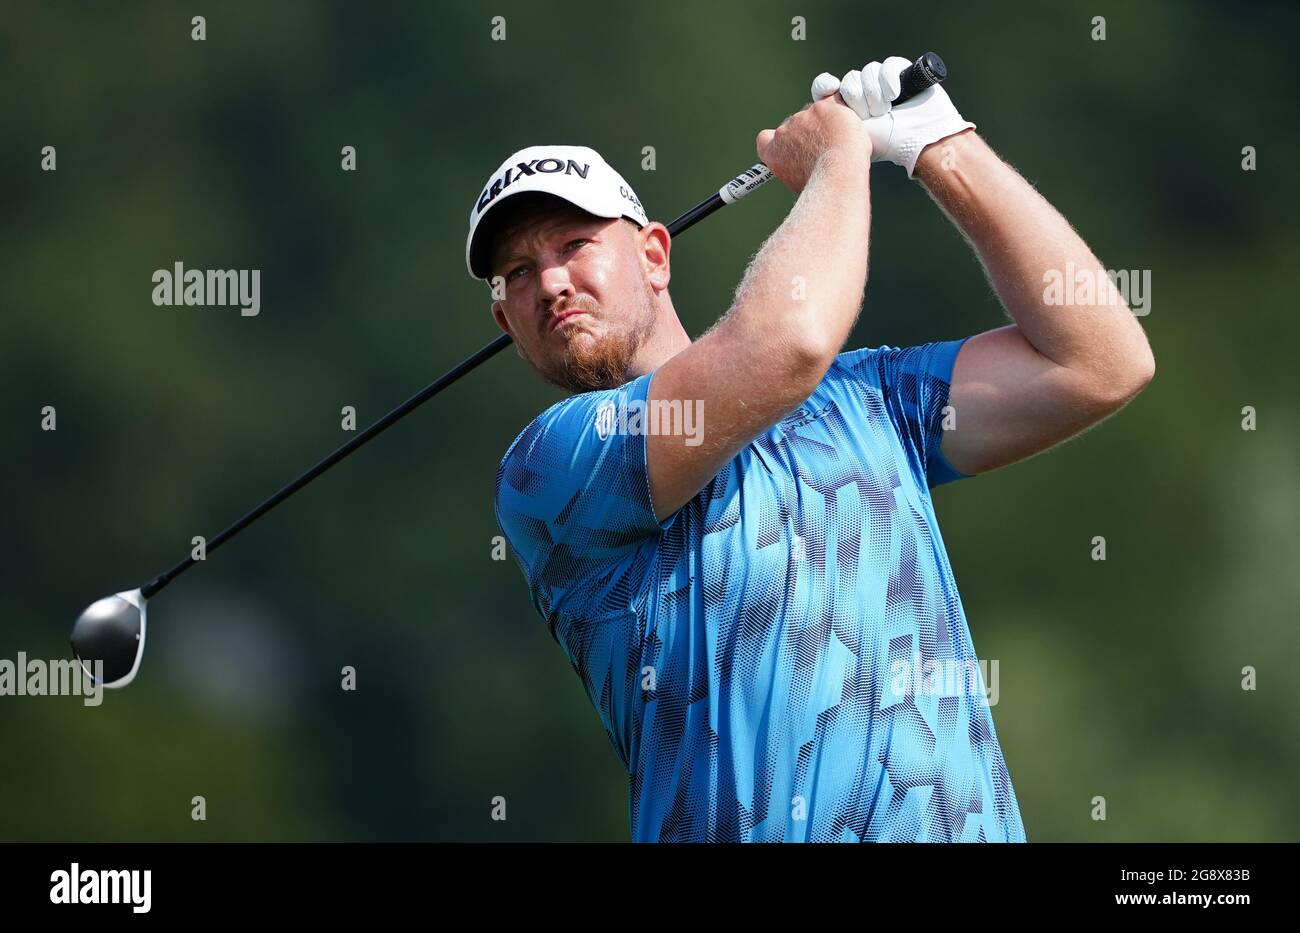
898, 134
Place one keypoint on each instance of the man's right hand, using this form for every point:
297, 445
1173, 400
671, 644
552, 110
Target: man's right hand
824, 127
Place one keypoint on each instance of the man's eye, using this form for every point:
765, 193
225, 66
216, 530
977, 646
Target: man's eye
510, 276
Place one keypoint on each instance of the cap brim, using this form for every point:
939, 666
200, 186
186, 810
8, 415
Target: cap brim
509, 209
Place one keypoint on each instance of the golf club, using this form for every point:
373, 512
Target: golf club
112, 629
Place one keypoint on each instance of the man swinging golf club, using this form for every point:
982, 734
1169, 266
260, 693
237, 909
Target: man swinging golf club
755, 610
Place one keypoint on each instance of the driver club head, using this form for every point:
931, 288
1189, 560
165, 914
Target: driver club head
111, 630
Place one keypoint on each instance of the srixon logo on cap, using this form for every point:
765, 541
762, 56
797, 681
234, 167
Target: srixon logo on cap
550, 166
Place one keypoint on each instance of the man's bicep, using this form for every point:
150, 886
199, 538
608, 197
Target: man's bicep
729, 388
1010, 402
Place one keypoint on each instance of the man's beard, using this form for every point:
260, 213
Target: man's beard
605, 363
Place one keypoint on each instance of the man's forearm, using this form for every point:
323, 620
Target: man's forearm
805, 284
1022, 242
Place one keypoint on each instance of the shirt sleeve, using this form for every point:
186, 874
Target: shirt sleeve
914, 383
573, 500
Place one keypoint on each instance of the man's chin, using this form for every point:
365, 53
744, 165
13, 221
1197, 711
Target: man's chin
579, 342
589, 364
587, 356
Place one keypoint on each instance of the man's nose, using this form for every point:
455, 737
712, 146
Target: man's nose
553, 281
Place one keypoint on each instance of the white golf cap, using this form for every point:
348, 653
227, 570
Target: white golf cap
576, 174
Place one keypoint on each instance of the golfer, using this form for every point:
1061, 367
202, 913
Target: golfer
732, 538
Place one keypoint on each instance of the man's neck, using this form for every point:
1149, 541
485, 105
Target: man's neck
669, 339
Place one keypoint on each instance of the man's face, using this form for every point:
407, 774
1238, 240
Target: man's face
577, 300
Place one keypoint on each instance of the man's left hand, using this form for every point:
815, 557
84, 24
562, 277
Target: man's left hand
898, 134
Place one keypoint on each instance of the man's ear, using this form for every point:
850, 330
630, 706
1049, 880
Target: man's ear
656, 245
500, 316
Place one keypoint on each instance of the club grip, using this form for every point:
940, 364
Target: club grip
927, 70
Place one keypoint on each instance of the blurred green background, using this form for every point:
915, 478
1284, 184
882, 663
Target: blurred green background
1118, 679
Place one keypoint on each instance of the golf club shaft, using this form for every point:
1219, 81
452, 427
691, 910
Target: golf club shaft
369, 434
927, 70
415, 401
